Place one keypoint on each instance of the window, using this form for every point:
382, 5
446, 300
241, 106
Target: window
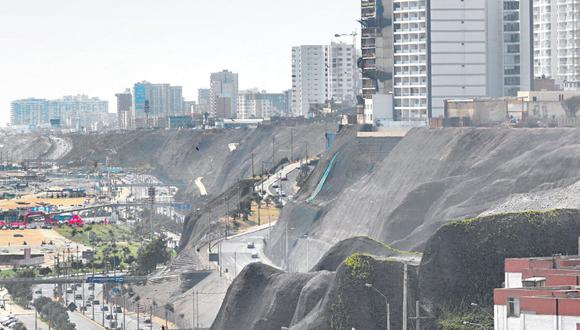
513, 307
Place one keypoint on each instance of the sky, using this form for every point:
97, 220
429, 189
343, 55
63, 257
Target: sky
52, 48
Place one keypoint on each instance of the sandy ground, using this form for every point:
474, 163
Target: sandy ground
34, 239
33, 201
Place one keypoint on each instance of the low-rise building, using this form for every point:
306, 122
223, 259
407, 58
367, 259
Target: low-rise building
539, 294
531, 108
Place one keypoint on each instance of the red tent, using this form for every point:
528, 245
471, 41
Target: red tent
76, 220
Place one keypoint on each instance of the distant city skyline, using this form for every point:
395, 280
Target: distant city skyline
99, 48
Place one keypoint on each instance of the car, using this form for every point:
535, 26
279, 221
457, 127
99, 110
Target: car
118, 309
109, 317
251, 245
69, 290
7, 318
275, 186
78, 297
104, 308
18, 235
39, 291
147, 321
255, 255
284, 178
31, 226
91, 286
88, 304
91, 297
10, 322
96, 302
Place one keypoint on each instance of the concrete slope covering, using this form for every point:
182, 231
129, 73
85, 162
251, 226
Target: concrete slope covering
430, 178
181, 157
466, 258
263, 297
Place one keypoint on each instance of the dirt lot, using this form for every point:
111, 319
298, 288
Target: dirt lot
34, 239
32, 201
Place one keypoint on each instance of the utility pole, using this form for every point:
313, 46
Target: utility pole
124, 311
418, 316
253, 174
286, 246
291, 145
197, 308
193, 311
273, 151
405, 279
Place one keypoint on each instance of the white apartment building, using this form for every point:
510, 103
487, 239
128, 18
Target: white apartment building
309, 78
343, 73
452, 49
410, 88
323, 73
479, 48
556, 41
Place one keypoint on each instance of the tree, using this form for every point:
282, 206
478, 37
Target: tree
151, 255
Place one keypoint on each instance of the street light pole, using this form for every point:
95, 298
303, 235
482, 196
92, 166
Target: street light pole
370, 286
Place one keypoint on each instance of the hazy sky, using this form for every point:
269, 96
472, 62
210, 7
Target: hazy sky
51, 48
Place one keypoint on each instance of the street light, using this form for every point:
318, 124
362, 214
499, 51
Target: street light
482, 309
370, 286
473, 324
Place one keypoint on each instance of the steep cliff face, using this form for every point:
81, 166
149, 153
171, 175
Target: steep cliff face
429, 178
220, 157
262, 297
464, 261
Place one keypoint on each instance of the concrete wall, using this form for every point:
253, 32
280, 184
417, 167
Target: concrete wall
513, 280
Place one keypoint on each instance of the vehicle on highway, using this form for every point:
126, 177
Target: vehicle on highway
10, 322
7, 318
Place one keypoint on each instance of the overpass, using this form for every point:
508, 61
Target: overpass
66, 280
113, 206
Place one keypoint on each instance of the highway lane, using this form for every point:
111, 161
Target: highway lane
237, 252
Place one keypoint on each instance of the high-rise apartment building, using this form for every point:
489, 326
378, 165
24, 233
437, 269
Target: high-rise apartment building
164, 100
29, 112
556, 41
445, 49
321, 74
74, 112
124, 105
410, 52
309, 78
203, 96
254, 104
223, 96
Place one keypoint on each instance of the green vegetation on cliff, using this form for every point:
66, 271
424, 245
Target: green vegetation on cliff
464, 260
